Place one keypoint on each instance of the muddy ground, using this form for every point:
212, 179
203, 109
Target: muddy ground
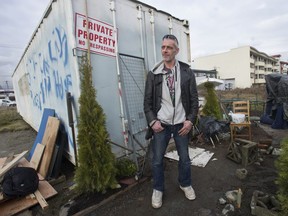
210, 183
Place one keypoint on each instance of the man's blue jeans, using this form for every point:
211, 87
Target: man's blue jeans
159, 145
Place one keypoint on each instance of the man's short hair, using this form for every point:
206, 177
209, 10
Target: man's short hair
172, 37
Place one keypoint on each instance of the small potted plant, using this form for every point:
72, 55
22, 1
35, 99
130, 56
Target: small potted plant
126, 170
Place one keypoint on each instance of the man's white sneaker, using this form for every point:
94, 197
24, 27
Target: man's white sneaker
189, 192
157, 198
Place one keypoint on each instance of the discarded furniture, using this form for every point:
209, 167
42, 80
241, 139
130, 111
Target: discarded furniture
243, 151
240, 108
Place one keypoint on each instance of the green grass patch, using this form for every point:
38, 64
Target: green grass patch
10, 120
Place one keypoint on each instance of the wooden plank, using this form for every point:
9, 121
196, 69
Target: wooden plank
46, 113
53, 159
62, 141
12, 163
14, 206
41, 199
48, 140
9, 158
37, 155
2, 162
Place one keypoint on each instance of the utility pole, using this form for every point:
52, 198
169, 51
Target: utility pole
7, 85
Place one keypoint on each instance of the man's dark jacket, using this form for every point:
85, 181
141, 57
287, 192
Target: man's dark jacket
153, 95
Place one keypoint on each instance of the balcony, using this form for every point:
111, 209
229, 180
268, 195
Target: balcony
269, 65
260, 71
260, 63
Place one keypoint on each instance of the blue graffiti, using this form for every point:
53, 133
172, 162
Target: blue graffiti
45, 87
46, 67
36, 100
43, 65
59, 48
58, 85
29, 79
67, 82
50, 52
31, 67
61, 86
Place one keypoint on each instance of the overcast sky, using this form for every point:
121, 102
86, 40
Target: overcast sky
215, 26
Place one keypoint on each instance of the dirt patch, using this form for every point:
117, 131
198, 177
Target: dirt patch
210, 183
16, 142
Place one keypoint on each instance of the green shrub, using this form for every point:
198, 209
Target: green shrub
97, 170
211, 107
282, 180
125, 168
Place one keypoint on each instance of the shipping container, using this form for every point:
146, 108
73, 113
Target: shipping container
123, 38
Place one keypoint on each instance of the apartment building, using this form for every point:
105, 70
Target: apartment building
283, 65
240, 67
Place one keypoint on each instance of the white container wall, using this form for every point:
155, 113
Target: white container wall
124, 39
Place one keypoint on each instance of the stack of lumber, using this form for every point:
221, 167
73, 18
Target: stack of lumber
40, 161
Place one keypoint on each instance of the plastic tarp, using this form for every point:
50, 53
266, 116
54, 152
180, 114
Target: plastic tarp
276, 111
210, 126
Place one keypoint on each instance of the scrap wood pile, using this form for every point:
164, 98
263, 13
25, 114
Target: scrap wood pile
12, 197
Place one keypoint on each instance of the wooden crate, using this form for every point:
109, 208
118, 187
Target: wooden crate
243, 151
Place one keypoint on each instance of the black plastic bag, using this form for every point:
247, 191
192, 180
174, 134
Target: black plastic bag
210, 126
19, 182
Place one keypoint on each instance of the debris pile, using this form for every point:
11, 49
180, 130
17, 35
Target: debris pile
43, 160
263, 204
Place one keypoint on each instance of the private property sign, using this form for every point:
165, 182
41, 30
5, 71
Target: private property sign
101, 36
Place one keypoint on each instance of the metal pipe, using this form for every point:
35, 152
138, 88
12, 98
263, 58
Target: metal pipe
71, 124
123, 147
88, 40
139, 17
152, 21
113, 10
170, 25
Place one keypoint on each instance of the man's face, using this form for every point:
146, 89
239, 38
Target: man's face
169, 50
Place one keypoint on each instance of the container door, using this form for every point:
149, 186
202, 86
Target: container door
133, 80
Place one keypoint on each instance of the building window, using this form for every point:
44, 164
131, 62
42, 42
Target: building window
261, 76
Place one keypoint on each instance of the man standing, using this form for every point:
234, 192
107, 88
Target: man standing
171, 108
